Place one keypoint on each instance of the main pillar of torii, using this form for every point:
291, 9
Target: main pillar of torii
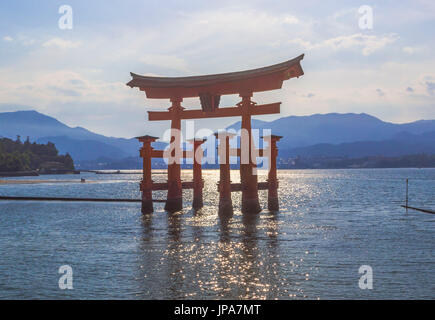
174, 200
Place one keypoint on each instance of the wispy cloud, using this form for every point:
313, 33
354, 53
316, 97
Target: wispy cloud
429, 84
408, 50
368, 44
61, 43
380, 92
165, 61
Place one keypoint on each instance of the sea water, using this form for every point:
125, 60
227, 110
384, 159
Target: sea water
331, 223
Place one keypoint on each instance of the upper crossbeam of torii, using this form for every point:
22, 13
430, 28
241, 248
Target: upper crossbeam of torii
209, 89
242, 82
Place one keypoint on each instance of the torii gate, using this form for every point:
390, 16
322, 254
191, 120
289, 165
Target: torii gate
209, 89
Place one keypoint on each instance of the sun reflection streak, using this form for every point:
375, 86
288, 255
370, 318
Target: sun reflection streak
245, 261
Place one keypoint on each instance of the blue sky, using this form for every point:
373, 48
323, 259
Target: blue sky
79, 75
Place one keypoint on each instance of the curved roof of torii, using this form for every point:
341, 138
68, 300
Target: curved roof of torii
249, 81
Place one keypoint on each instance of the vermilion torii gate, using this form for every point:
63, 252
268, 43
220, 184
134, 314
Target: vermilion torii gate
209, 89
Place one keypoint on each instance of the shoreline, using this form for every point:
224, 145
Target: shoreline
11, 182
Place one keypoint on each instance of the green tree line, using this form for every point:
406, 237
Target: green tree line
22, 156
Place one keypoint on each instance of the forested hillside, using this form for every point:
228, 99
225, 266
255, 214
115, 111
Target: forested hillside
22, 156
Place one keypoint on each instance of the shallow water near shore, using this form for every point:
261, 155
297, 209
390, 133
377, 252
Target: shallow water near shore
331, 222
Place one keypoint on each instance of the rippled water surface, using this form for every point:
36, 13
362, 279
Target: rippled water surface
331, 222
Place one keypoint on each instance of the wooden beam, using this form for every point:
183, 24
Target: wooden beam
254, 80
159, 154
164, 185
261, 152
271, 108
236, 187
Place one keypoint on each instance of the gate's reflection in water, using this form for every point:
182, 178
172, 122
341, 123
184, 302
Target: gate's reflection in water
194, 265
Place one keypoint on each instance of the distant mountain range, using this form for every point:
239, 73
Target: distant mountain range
335, 128
320, 135
80, 143
348, 135
394, 147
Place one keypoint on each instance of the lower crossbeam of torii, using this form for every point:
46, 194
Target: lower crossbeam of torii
209, 90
